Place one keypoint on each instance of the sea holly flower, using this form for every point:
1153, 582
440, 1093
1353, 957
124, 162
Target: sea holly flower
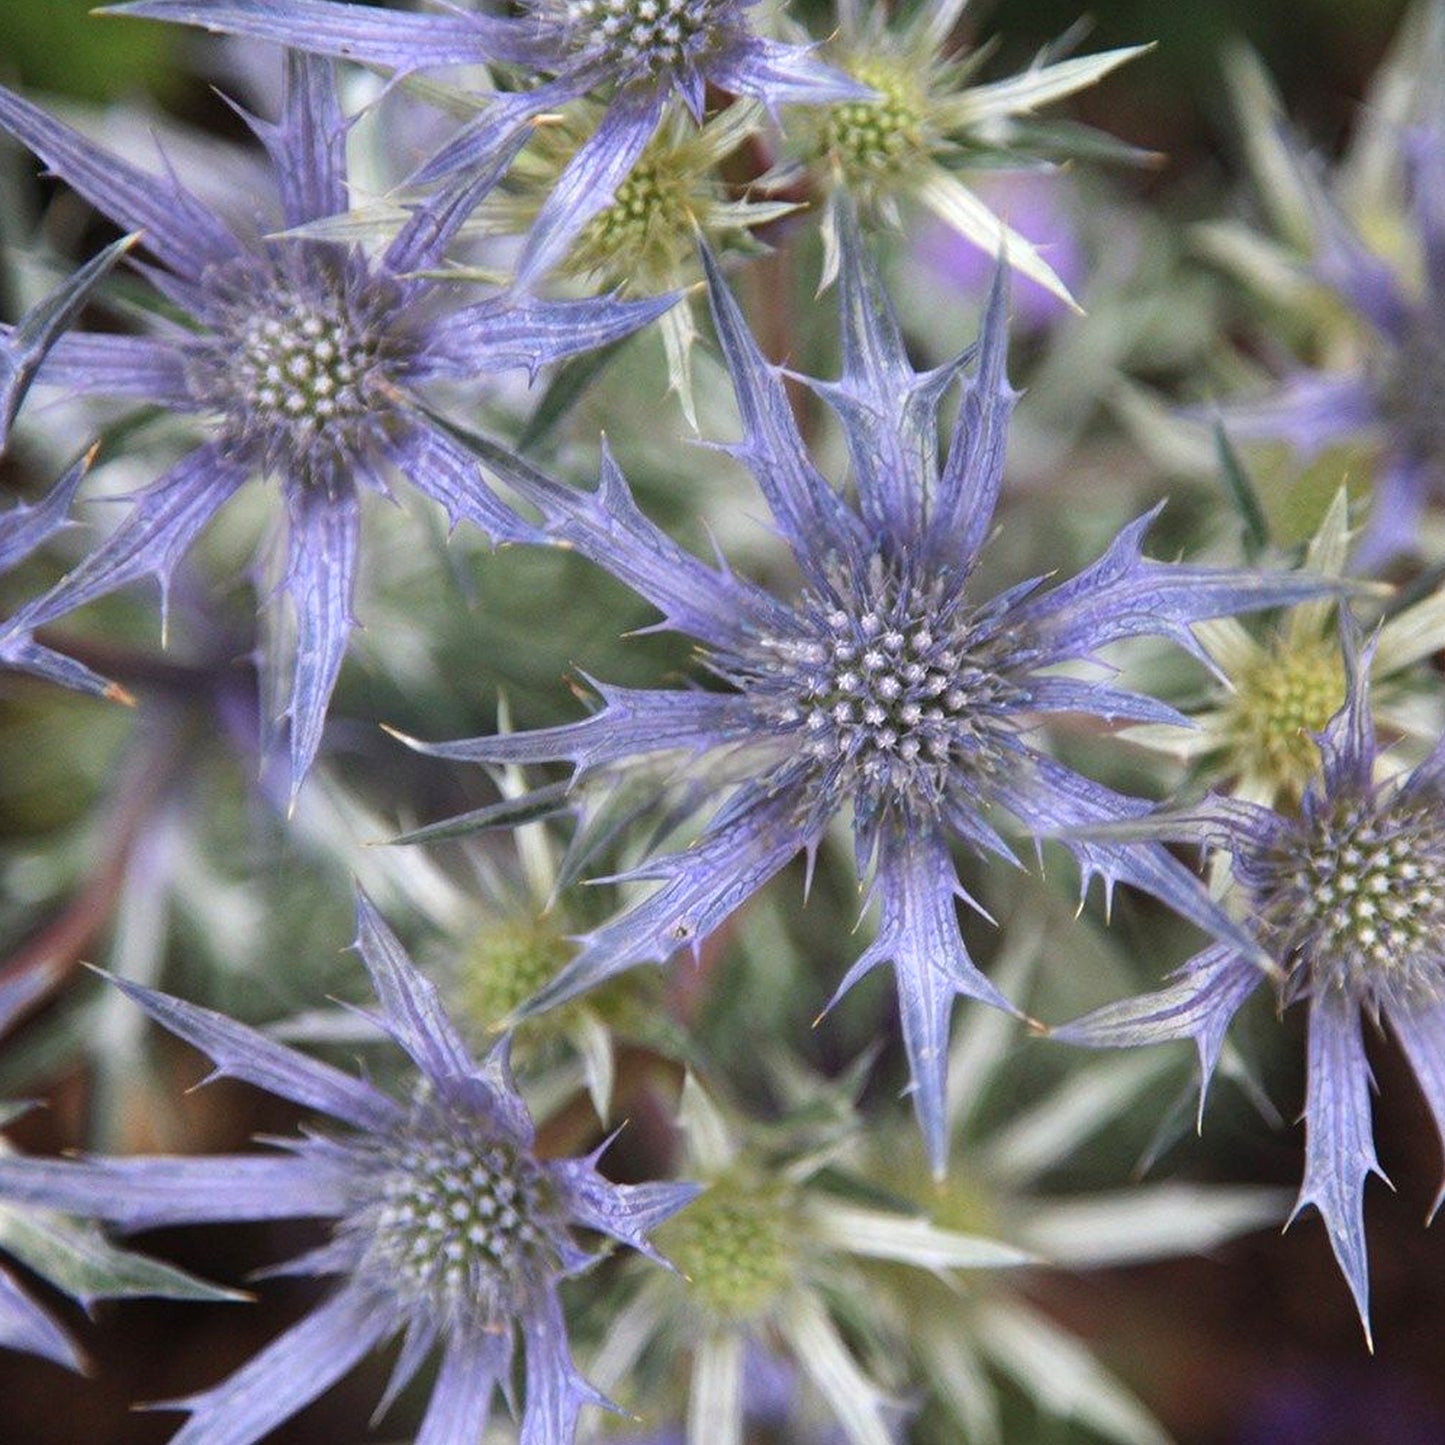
927, 121
1346, 899
448, 1229
299, 360
644, 241
641, 53
886, 691
1274, 694
1383, 396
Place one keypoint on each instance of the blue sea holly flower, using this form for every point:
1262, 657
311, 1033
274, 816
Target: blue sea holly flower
641, 53
885, 689
1388, 397
1347, 897
448, 1229
298, 359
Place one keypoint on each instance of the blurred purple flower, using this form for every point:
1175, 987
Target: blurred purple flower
1394, 394
449, 1230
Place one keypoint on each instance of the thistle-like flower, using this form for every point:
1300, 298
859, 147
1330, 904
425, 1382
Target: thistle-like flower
1383, 395
299, 361
449, 1230
885, 689
1348, 899
641, 53
644, 241
925, 123
770, 1261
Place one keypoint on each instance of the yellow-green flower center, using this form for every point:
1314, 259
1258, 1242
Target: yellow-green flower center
648, 226
730, 1243
868, 138
1278, 704
509, 962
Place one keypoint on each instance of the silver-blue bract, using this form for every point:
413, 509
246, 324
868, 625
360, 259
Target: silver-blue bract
448, 1229
885, 688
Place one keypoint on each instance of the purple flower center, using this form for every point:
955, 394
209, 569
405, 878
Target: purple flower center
296, 365
646, 38
892, 682
1356, 897
456, 1223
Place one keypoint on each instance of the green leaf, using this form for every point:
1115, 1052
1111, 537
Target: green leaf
1241, 490
77, 1259
567, 386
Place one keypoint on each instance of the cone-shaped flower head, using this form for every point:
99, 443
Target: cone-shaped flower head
639, 53
885, 690
1348, 898
448, 1229
297, 361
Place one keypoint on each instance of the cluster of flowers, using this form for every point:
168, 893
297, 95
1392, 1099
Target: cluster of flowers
879, 695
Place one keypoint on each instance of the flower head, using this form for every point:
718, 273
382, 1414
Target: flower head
447, 1227
1383, 393
886, 691
299, 361
1276, 693
925, 122
640, 53
1346, 898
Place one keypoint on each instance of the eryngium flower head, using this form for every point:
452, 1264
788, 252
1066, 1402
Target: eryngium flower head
886, 688
448, 1229
640, 53
1274, 694
925, 122
1348, 899
299, 360
1387, 397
